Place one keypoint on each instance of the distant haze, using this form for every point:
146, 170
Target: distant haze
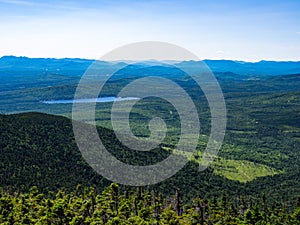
11, 65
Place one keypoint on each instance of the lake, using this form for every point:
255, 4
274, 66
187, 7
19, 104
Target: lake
89, 100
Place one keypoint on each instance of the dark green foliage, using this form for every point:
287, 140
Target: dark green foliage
40, 150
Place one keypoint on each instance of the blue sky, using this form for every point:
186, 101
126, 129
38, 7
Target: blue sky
239, 30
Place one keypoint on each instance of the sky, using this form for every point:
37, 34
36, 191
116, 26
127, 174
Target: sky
212, 29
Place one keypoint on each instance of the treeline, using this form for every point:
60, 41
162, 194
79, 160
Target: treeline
119, 205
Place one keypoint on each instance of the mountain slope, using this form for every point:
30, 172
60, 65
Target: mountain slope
39, 150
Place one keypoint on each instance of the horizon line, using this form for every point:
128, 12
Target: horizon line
125, 60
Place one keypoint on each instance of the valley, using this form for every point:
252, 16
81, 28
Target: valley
259, 155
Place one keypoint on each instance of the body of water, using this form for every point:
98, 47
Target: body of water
89, 100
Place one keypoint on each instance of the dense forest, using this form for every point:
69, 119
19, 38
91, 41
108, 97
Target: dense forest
38, 152
118, 205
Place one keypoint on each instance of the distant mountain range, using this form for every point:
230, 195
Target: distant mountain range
74, 66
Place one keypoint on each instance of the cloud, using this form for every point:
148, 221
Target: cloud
298, 32
53, 5
220, 52
18, 2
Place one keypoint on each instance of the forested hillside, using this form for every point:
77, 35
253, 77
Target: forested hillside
40, 150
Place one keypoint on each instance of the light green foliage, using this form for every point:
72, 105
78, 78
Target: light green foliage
139, 207
241, 170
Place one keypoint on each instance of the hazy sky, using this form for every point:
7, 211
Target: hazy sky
215, 29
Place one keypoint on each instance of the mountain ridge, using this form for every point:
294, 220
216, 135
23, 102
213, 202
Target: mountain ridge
11, 65
89, 59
